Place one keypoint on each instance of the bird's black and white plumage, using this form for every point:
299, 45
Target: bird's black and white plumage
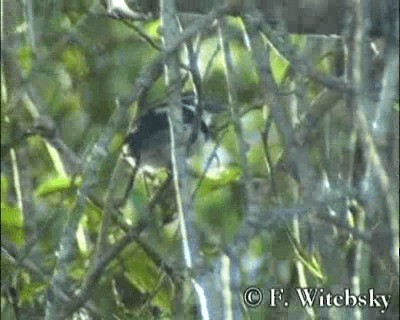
148, 144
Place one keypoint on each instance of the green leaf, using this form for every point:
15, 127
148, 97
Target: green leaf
144, 275
309, 260
220, 179
153, 28
12, 223
4, 187
31, 290
280, 67
257, 160
57, 184
218, 213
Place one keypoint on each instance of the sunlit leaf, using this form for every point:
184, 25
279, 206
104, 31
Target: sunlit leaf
153, 29
12, 223
57, 184
4, 187
220, 178
145, 276
280, 67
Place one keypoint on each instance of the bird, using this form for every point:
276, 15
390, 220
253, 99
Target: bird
147, 145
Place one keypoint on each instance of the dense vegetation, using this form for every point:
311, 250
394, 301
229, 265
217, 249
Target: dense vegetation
296, 187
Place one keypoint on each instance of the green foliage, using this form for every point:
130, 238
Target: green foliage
143, 274
82, 62
75, 62
309, 261
12, 223
153, 29
60, 23
279, 246
230, 143
218, 206
4, 186
32, 290
220, 180
257, 160
279, 66
25, 58
57, 184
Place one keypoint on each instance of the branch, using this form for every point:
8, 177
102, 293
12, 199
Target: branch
97, 270
19, 261
280, 41
238, 245
299, 16
152, 72
97, 155
178, 155
118, 9
298, 154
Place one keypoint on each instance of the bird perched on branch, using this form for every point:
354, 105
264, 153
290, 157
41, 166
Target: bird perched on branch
148, 144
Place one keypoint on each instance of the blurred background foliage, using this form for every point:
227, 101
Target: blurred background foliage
73, 61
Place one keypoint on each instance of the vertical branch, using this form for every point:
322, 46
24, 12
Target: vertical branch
297, 105
226, 288
248, 207
357, 54
297, 151
24, 191
349, 46
355, 255
235, 114
178, 155
363, 104
196, 78
178, 151
17, 180
31, 24
299, 265
390, 207
60, 281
